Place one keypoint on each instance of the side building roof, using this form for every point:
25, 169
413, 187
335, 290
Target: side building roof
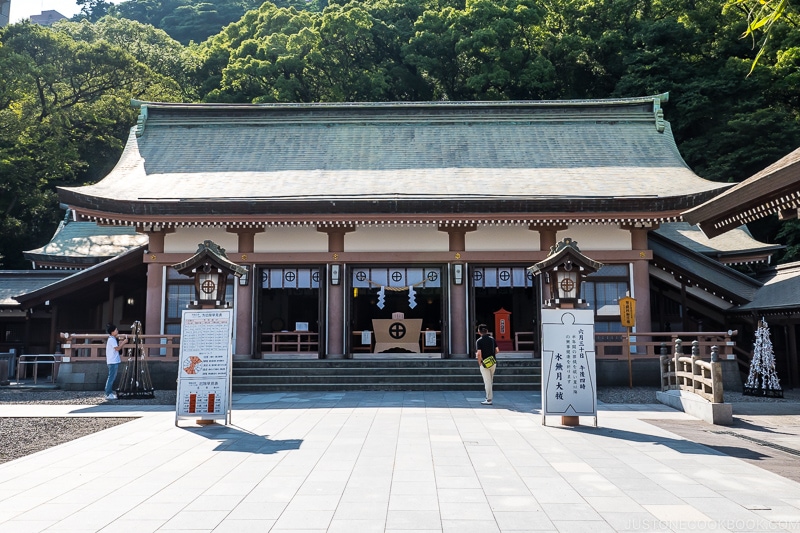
83, 244
581, 161
700, 271
735, 247
774, 190
21, 282
780, 293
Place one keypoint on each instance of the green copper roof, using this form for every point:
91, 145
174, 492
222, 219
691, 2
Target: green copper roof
545, 156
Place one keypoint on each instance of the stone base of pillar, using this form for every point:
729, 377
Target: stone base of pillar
458, 356
336, 356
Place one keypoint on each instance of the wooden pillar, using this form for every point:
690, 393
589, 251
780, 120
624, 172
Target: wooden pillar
641, 279
791, 355
245, 318
155, 281
335, 345
548, 238
111, 289
459, 345
53, 329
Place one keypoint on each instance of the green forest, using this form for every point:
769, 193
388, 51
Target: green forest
65, 91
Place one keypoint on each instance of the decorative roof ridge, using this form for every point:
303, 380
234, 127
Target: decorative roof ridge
655, 115
656, 98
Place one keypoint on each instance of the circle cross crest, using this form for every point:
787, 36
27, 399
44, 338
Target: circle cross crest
208, 286
397, 330
567, 285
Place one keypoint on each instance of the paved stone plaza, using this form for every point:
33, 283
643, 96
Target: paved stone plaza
361, 462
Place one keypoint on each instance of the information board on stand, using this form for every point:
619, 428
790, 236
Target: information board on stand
204, 365
569, 383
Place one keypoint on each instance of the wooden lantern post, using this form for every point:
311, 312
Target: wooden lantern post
564, 269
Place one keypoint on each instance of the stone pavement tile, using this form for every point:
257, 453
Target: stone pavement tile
781, 513
591, 484
653, 496
275, 489
631, 521
523, 520
133, 526
570, 511
411, 502
258, 511
553, 490
413, 476
184, 491
719, 508
686, 512
513, 503
465, 511
321, 502
243, 526
361, 511
51, 511
471, 495
689, 490
471, 482
353, 526
214, 502
427, 487
614, 503
152, 509
365, 495
405, 520
26, 526
304, 520
469, 526
583, 526
415, 530
195, 520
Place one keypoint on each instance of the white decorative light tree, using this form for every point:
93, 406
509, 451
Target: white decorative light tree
763, 378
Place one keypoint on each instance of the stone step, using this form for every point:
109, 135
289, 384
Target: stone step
383, 374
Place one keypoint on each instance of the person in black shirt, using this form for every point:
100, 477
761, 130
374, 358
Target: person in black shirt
486, 346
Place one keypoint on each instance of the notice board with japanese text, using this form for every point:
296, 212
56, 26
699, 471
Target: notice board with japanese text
204, 365
569, 381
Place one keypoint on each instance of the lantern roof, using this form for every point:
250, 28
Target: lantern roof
209, 253
562, 252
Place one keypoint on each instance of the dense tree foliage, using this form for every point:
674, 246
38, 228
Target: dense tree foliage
728, 124
184, 20
64, 112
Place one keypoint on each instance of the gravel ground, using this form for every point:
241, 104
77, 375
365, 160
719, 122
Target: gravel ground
23, 436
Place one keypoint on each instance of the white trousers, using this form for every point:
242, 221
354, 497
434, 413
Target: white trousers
488, 378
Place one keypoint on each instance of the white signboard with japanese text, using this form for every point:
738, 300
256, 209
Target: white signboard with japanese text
569, 382
204, 364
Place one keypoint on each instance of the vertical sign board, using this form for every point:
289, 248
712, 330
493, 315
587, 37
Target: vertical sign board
627, 311
204, 365
569, 382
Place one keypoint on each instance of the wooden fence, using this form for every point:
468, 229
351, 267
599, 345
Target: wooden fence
692, 374
611, 346
86, 347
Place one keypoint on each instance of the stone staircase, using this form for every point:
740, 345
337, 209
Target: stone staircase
275, 375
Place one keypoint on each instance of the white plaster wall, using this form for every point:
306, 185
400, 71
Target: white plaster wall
396, 239
510, 238
598, 237
185, 240
291, 239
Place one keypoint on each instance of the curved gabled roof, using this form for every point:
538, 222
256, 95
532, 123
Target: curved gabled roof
774, 190
595, 158
82, 244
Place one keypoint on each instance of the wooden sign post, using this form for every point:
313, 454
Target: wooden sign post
627, 315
